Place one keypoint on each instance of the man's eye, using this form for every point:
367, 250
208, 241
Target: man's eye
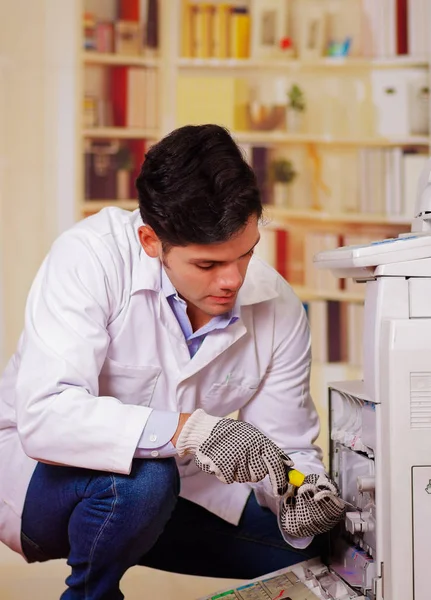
205, 267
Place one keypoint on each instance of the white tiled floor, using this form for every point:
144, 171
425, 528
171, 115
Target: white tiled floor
20, 581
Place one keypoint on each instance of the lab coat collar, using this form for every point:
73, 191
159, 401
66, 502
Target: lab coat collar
146, 272
147, 275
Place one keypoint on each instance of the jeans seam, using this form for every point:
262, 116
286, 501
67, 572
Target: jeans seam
102, 528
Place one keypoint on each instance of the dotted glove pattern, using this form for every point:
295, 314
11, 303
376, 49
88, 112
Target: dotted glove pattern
237, 451
313, 508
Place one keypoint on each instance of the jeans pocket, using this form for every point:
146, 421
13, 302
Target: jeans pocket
31, 550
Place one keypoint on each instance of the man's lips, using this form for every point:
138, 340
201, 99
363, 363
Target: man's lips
222, 299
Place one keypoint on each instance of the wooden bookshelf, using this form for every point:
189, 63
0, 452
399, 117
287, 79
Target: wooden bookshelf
296, 65
109, 58
121, 133
280, 137
93, 206
278, 215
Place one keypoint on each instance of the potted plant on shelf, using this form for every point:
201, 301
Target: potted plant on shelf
282, 174
125, 165
295, 108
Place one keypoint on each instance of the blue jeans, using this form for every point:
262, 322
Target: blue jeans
104, 523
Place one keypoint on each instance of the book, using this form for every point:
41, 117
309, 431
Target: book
220, 36
118, 95
128, 10
201, 30
136, 97
239, 32
152, 26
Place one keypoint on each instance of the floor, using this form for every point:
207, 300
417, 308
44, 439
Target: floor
45, 581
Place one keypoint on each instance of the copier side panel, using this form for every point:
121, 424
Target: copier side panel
405, 392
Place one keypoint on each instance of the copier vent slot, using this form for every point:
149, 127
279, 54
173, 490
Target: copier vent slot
420, 400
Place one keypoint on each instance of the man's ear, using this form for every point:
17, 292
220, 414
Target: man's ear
149, 241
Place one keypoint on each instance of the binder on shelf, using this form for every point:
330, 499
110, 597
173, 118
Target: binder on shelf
186, 29
282, 252
118, 95
239, 32
221, 31
402, 27
202, 30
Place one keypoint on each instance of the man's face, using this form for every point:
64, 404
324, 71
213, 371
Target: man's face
208, 277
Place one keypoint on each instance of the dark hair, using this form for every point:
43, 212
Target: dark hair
195, 187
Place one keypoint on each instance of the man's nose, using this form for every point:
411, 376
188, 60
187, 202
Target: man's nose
230, 278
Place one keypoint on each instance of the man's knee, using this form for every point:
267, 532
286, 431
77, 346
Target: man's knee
152, 487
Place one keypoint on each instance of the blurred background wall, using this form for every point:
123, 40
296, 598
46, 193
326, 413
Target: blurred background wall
39, 54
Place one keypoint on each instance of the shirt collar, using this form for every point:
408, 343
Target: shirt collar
168, 287
169, 290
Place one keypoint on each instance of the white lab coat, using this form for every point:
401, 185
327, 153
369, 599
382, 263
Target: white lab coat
101, 349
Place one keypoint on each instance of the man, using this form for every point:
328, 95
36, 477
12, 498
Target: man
143, 332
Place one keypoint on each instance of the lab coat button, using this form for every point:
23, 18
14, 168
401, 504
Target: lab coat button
153, 437
154, 453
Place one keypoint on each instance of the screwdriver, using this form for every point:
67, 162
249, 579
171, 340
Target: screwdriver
295, 477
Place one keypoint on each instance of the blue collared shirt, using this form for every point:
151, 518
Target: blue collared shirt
161, 425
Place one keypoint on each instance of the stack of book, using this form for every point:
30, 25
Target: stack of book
215, 30
134, 93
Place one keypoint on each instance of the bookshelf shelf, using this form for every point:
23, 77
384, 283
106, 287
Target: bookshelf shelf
122, 133
296, 65
93, 206
280, 137
285, 215
310, 295
109, 58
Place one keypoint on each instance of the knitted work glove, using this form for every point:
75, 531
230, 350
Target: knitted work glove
313, 508
233, 451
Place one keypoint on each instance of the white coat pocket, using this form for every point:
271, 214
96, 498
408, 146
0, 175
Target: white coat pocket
130, 385
231, 395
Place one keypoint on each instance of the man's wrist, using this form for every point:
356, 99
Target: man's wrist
181, 422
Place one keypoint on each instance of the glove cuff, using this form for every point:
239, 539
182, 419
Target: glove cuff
197, 429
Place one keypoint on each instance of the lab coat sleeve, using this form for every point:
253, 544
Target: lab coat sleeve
60, 417
282, 408
158, 431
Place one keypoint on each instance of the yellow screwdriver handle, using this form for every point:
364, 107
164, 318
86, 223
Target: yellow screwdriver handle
295, 477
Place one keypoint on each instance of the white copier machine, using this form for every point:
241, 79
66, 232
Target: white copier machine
381, 426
